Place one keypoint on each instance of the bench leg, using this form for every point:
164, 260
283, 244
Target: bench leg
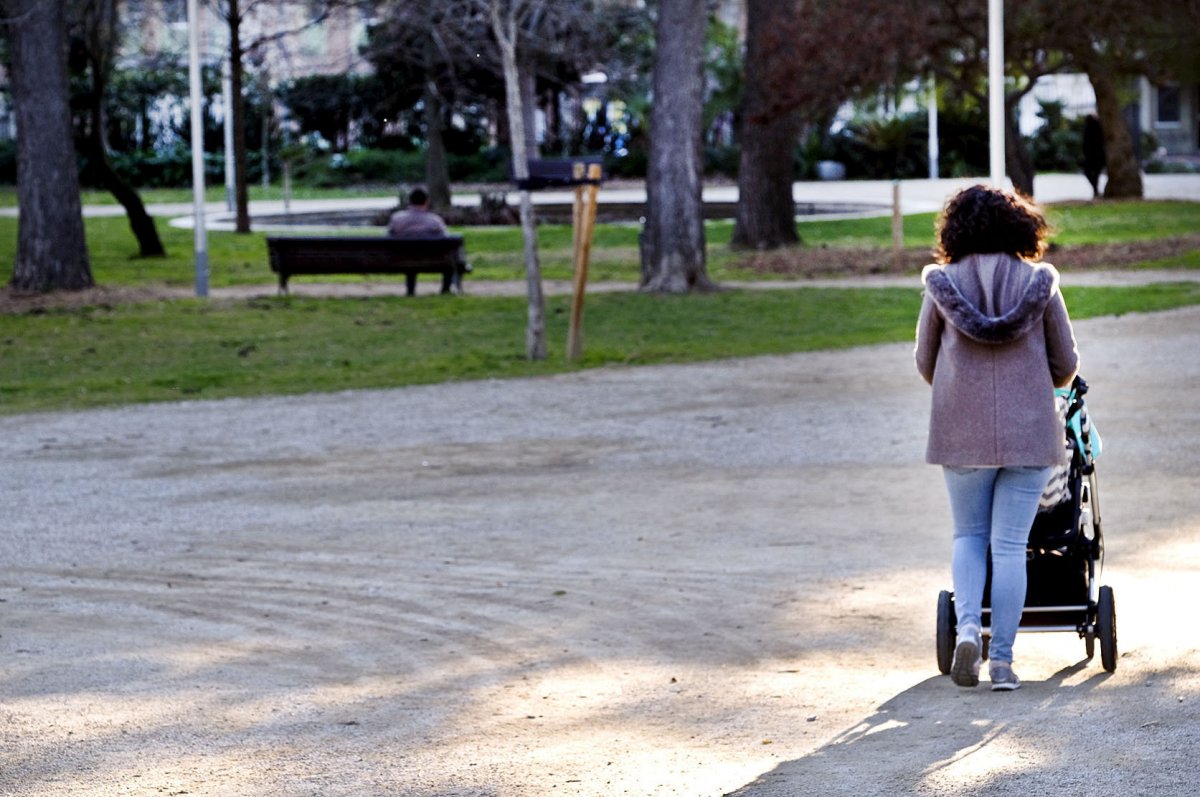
460, 267
410, 282
447, 281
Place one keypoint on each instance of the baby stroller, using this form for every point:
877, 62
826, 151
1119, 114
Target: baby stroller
1065, 555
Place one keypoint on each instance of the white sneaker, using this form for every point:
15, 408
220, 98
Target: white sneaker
968, 656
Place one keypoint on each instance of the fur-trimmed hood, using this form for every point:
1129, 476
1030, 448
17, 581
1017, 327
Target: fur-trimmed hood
1012, 325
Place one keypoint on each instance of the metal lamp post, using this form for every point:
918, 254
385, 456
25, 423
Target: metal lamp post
201, 234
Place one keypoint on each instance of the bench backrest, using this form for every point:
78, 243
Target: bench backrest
557, 172
342, 254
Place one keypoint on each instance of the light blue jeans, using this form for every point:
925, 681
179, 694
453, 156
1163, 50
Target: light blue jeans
993, 506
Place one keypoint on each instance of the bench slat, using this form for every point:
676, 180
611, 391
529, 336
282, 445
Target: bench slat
308, 255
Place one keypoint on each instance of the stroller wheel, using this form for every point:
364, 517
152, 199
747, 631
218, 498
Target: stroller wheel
1106, 629
1089, 643
946, 623
986, 647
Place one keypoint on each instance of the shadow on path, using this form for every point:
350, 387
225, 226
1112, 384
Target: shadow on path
927, 735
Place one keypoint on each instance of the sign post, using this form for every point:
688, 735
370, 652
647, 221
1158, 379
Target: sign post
897, 229
585, 224
585, 175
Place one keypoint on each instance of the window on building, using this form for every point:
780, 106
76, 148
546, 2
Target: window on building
1169, 111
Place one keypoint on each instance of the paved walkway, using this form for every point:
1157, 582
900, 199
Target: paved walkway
564, 287
916, 196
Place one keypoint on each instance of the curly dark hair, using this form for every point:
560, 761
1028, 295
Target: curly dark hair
978, 220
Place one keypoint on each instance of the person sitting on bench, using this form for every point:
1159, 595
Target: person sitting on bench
417, 220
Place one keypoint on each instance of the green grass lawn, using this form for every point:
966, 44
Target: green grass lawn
1118, 222
207, 349
495, 252
192, 348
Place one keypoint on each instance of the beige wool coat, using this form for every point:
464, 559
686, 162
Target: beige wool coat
994, 340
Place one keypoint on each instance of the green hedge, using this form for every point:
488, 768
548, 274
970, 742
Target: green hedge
339, 170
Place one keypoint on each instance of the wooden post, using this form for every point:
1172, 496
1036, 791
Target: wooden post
585, 222
578, 172
897, 229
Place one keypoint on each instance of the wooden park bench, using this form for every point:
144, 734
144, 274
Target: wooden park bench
305, 255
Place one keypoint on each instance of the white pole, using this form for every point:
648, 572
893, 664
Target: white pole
201, 237
933, 129
227, 97
996, 89
897, 228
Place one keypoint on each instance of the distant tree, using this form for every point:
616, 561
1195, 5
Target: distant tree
95, 38
444, 58
673, 254
51, 249
1120, 156
131, 94
958, 56
428, 54
509, 18
521, 34
803, 59
1111, 43
770, 125
724, 72
331, 105
234, 13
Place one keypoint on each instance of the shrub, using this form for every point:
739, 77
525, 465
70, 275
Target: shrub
485, 166
1057, 146
380, 165
339, 170
1168, 165
882, 148
167, 169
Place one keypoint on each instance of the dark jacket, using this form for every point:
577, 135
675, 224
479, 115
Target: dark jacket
994, 340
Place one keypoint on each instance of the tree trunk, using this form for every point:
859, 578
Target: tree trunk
673, 257
554, 132
236, 74
140, 222
51, 248
505, 30
437, 170
264, 91
1124, 174
766, 211
1017, 161
529, 108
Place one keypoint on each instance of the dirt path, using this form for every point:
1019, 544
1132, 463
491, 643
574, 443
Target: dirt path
684, 580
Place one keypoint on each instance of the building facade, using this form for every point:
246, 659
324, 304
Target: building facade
1171, 111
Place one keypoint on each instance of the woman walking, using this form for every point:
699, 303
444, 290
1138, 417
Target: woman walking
994, 340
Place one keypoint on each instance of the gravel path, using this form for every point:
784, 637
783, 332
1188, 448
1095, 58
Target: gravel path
680, 580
